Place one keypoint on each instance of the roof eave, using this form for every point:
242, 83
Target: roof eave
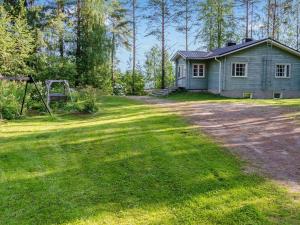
176, 55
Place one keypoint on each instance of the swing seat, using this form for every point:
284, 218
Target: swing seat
58, 97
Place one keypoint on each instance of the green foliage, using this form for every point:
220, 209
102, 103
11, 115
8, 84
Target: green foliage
88, 100
92, 56
153, 69
139, 83
83, 101
10, 97
217, 23
54, 67
16, 44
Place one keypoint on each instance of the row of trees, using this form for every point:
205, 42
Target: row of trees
78, 39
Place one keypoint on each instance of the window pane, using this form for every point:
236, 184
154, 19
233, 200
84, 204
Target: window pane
201, 70
195, 70
240, 69
283, 70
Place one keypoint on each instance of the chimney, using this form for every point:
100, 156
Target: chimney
245, 40
230, 43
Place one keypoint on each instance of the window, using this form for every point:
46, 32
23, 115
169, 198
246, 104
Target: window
239, 69
181, 71
247, 95
277, 95
198, 70
283, 71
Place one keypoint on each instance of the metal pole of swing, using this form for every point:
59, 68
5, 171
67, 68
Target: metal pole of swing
24, 97
46, 106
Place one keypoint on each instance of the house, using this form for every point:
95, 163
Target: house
254, 68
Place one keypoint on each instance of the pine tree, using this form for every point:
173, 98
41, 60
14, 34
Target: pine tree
184, 16
159, 18
119, 31
16, 43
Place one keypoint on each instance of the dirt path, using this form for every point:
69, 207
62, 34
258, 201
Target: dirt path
265, 136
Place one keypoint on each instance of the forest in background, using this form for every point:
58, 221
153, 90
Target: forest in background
78, 40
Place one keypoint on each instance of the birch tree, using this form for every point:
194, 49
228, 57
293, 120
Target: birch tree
217, 23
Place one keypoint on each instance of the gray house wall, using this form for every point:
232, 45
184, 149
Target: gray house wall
213, 76
260, 80
182, 81
197, 83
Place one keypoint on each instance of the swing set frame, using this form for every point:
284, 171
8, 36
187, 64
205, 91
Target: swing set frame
28, 80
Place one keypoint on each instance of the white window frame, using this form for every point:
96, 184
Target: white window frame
198, 65
181, 71
285, 70
246, 69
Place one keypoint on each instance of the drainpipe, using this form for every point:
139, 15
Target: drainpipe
220, 71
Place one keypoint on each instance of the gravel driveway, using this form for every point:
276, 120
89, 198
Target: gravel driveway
264, 136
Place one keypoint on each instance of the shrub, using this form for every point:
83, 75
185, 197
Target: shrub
89, 100
10, 98
84, 100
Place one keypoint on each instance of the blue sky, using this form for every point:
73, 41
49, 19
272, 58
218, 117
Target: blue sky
174, 40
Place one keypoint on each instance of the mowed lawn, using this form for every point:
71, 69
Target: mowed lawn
129, 164
209, 98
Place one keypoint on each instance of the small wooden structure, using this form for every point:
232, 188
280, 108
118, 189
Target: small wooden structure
28, 80
57, 96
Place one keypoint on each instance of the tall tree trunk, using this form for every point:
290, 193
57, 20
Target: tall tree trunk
251, 22
78, 44
60, 10
247, 19
186, 25
274, 19
298, 25
163, 45
219, 25
134, 44
113, 61
269, 18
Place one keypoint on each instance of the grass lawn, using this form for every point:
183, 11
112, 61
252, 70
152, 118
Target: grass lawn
207, 97
129, 164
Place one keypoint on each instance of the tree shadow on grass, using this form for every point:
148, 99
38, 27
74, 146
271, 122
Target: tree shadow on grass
103, 186
111, 169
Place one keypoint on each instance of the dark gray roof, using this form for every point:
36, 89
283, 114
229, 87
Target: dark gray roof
222, 51
226, 50
192, 54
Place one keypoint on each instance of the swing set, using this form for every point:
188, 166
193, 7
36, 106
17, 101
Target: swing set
28, 80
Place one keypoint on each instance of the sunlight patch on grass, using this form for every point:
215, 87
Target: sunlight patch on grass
128, 164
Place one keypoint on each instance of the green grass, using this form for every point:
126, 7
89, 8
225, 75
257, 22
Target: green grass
207, 97
129, 164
